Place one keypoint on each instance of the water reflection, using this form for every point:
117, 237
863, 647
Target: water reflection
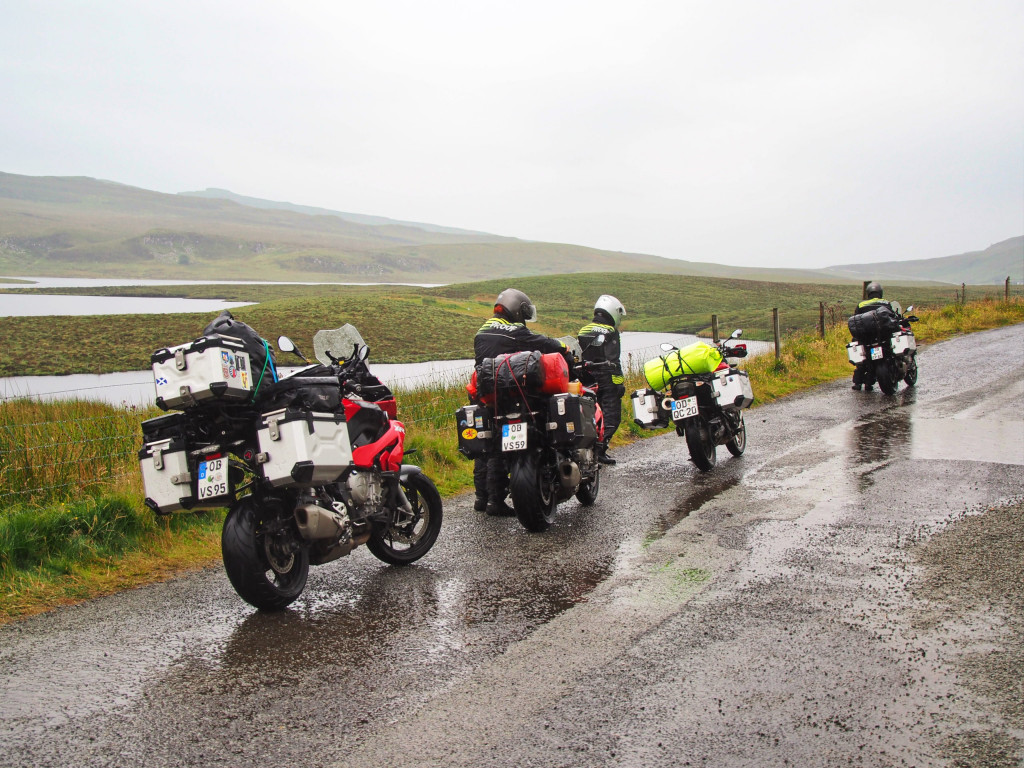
878, 439
705, 488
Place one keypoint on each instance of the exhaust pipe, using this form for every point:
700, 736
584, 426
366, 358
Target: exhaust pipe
316, 522
569, 474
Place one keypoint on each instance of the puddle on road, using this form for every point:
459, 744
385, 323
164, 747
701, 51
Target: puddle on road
899, 433
396, 615
704, 489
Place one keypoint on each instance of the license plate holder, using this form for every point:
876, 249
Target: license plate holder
212, 479
684, 408
513, 436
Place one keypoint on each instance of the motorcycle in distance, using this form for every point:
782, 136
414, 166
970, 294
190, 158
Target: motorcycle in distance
883, 343
308, 465
700, 391
545, 426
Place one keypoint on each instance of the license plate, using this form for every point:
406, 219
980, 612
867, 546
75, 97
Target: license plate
685, 408
513, 436
876, 353
213, 478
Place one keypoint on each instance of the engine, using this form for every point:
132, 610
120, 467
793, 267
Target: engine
366, 492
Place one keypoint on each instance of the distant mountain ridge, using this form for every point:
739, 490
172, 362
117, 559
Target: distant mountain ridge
357, 218
84, 227
988, 267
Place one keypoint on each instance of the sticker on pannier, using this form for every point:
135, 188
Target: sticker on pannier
209, 368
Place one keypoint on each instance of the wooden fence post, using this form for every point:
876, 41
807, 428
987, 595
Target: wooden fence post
714, 328
821, 318
963, 293
1007, 289
864, 291
775, 330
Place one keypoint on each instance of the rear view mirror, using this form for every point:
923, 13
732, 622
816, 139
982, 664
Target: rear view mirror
285, 344
736, 334
666, 347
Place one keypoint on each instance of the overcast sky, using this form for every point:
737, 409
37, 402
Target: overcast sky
801, 133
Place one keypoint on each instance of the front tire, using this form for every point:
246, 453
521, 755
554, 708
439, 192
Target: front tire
698, 440
886, 376
411, 537
264, 559
738, 442
533, 493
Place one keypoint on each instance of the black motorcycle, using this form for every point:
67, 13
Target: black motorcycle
884, 347
545, 426
700, 390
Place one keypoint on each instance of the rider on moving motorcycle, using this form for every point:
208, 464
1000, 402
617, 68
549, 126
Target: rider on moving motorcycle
599, 340
862, 374
504, 333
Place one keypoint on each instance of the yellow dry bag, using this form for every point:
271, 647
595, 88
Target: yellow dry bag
693, 358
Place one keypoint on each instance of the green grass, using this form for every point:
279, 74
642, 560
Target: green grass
416, 324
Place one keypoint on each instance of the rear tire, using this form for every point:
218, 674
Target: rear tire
533, 493
586, 494
410, 539
886, 376
738, 443
266, 565
698, 440
911, 378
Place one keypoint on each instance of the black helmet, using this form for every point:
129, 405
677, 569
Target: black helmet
873, 290
516, 306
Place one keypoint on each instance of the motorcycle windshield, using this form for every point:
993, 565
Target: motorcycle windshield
573, 345
343, 343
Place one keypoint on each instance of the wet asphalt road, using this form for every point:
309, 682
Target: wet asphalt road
757, 615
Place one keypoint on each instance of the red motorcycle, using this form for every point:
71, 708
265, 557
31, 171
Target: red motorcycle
308, 465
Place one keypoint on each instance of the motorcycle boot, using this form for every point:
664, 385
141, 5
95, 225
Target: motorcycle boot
603, 457
499, 509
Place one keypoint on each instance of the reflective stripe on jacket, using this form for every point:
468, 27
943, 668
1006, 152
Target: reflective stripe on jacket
499, 336
610, 351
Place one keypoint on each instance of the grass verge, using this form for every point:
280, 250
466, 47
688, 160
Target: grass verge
72, 525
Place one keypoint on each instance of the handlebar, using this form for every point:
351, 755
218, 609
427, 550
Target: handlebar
596, 366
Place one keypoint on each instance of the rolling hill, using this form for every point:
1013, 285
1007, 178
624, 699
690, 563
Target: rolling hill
83, 227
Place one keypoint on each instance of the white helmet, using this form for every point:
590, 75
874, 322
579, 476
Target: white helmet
612, 306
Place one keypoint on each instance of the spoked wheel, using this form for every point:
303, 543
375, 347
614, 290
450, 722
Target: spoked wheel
698, 440
886, 376
266, 561
911, 377
532, 487
738, 442
586, 494
412, 536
